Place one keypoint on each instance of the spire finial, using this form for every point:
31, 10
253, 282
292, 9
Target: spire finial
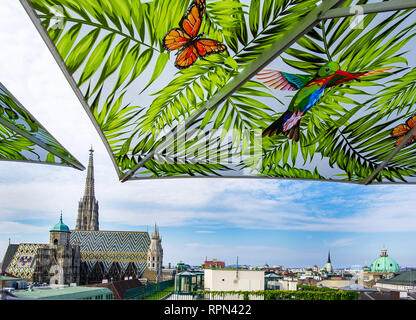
155, 233
384, 251
61, 217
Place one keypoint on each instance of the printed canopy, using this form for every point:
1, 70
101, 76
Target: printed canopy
322, 90
22, 137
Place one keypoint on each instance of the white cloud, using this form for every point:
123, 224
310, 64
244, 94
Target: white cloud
343, 242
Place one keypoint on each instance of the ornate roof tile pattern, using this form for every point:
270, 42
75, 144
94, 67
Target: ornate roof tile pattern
112, 246
22, 263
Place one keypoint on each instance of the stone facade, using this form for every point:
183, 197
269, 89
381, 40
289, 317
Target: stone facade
155, 255
60, 262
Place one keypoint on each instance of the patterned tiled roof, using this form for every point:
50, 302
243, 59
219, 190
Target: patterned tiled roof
8, 256
112, 246
21, 265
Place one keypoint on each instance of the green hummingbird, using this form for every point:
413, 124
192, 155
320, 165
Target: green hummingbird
311, 88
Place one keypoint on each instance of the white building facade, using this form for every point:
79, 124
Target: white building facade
233, 280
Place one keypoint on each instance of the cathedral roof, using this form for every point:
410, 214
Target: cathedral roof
112, 246
11, 250
22, 263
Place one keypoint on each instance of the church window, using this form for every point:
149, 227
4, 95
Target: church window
153, 265
55, 242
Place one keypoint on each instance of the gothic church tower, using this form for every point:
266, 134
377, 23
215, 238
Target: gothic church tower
155, 255
88, 207
329, 264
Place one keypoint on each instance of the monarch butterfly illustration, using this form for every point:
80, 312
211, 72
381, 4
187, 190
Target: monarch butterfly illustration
402, 129
186, 39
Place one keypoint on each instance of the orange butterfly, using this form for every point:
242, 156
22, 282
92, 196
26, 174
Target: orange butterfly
402, 129
187, 40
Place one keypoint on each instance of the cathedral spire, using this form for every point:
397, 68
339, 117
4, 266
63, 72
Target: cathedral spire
155, 233
89, 184
88, 206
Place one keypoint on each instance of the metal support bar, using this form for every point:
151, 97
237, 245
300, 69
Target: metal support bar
386, 161
278, 47
385, 6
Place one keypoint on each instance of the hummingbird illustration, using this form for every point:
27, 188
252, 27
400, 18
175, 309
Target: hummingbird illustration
311, 88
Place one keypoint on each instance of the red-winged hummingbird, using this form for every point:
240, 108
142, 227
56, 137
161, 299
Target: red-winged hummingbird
310, 89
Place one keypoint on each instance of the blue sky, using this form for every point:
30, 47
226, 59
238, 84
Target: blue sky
261, 221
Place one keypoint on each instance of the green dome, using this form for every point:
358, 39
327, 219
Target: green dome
384, 264
60, 226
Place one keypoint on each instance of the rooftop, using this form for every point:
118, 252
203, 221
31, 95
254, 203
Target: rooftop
67, 293
406, 278
7, 278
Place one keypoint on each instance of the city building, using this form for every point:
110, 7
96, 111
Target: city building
214, 263
288, 284
86, 255
403, 282
233, 280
